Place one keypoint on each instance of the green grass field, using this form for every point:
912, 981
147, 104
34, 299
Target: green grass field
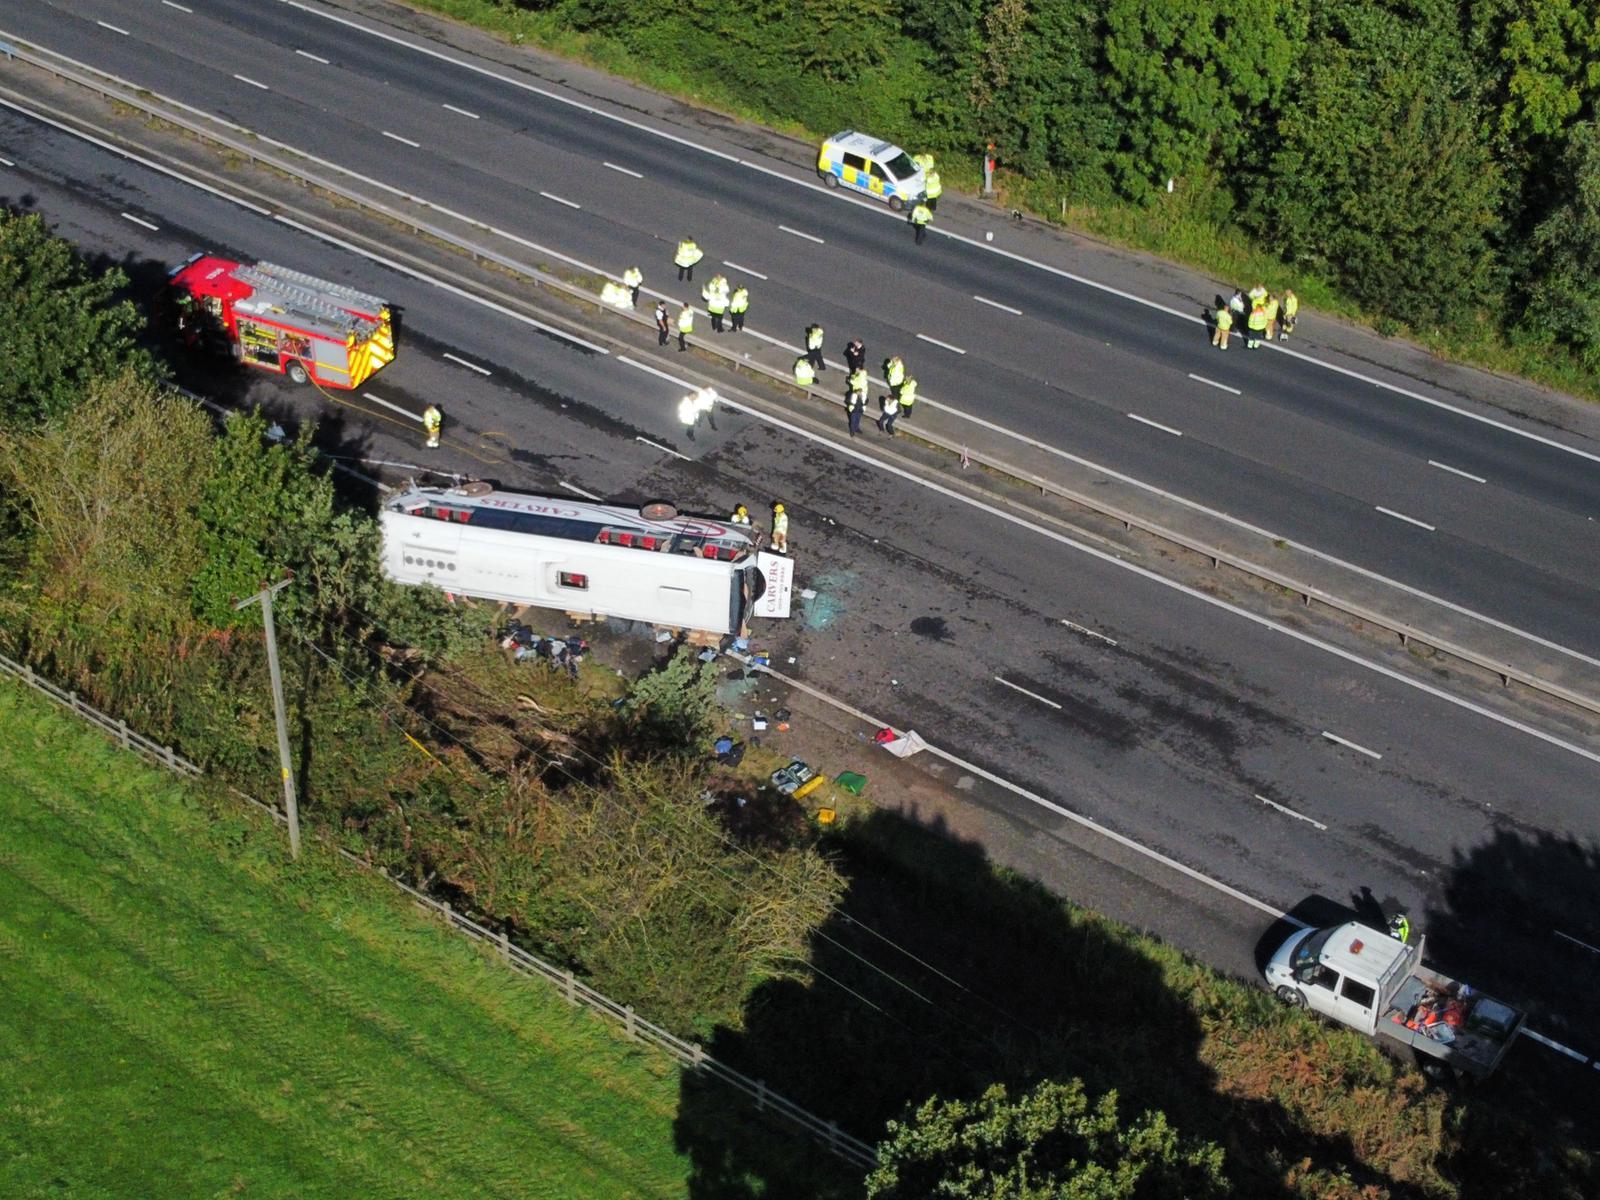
183, 1015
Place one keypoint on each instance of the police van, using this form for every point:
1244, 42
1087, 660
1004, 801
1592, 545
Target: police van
867, 164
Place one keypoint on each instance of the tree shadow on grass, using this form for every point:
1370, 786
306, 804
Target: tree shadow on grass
941, 975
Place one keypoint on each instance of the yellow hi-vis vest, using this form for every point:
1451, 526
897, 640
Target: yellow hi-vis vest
1258, 318
908, 393
814, 338
688, 254
740, 301
921, 214
1224, 319
804, 373
686, 320
1291, 305
934, 187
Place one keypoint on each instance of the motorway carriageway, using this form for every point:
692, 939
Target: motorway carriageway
1074, 687
1492, 516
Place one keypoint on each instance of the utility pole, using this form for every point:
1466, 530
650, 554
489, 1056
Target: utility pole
290, 805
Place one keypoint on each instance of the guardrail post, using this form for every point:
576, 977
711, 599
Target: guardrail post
505, 945
628, 1023
570, 990
698, 1057
833, 1136
27, 676
761, 1095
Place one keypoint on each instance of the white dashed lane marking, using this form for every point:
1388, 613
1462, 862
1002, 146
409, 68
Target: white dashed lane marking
405, 140
942, 345
1015, 312
252, 82
810, 237
1155, 424
1457, 471
141, 221
1027, 693
112, 28
462, 112
1214, 383
468, 365
1289, 812
622, 170
1334, 737
560, 200
312, 57
1400, 516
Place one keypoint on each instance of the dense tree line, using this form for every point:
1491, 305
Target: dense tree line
131, 520
1433, 159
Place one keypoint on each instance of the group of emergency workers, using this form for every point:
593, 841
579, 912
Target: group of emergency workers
1267, 318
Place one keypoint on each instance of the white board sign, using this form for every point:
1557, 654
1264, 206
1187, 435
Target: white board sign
778, 570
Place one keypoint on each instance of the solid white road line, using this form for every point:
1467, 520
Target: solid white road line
179, 7
1568, 937
1557, 1046
989, 248
1400, 516
452, 289
1032, 797
252, 82
623, 170
6, 162
572, 487
394, 408
112, 28
141, 221
1259, 620
559, 200
1457, 471
810, 237
1015, 312
468, 365
463, 112
942, 345
736, 267
1087, 632
1290, 812
312, 57
1027, 693
132, 157
1155, 424
398, 138
1214, 383
658, 445
1334, 737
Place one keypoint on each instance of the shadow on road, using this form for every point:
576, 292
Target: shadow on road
941, 975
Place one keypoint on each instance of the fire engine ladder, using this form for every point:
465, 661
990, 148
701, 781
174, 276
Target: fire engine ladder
309, 294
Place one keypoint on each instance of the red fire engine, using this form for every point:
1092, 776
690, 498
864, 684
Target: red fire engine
282, 320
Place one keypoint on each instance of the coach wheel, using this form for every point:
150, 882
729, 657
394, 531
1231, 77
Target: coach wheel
296, 371
1293, 997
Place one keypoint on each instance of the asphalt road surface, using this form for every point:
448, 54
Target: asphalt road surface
942, 617
1498, 517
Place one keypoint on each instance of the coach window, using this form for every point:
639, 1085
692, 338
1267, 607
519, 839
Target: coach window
571, 579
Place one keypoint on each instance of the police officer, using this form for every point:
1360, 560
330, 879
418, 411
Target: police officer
780, 528
663, 323
891, 410
634, 279
814, 348
688, 254
685, 326
907, 398
738, 305
689, 415
432, 422
855, 354
894, 373
856, 398
804, 373
716, 303
920, 216
933, 189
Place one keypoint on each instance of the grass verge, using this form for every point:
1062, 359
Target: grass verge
187, 1015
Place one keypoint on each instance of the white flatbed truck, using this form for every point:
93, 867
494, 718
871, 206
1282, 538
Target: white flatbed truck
1368, 980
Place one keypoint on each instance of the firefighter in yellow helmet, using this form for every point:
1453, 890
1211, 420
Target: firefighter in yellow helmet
741, 516
780, 528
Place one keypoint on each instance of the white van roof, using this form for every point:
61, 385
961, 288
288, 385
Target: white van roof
861, 143
1358, 949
